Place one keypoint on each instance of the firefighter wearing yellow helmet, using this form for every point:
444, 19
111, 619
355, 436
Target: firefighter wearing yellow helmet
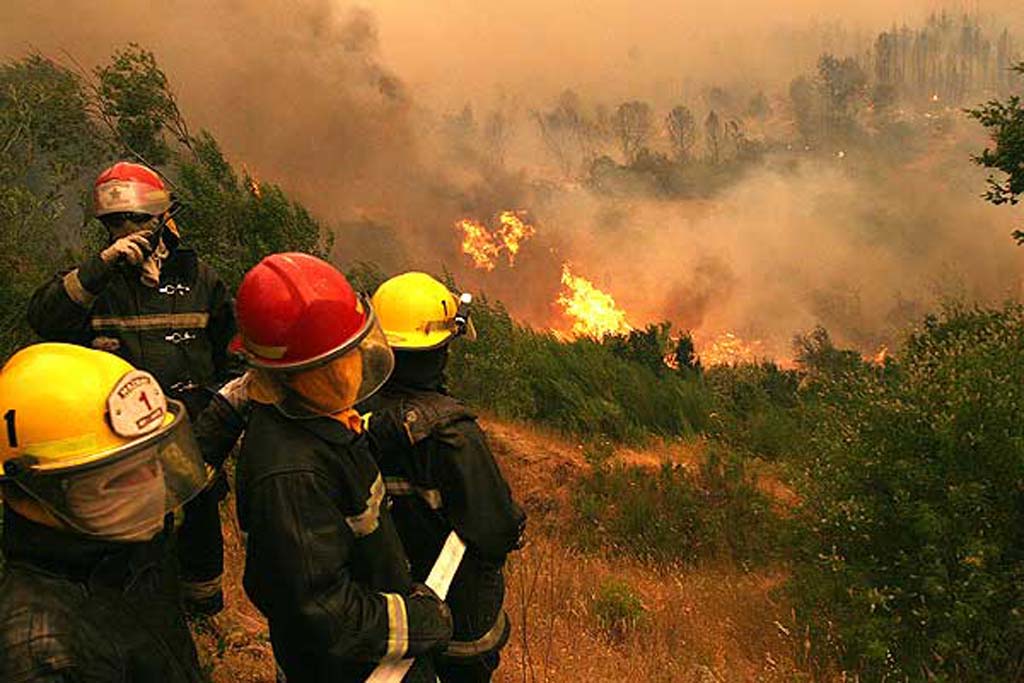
439, 470
94, 459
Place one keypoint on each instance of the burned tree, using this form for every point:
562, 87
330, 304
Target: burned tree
682, 132
567, 132
632, 125
713, 136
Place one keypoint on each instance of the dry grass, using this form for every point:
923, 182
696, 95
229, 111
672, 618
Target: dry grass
705, 625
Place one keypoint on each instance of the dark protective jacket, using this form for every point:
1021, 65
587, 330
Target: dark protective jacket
178, 331
78, 610
323, 561
442, 476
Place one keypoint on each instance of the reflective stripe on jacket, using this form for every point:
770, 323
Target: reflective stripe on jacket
324, 563
179, 330
442, 476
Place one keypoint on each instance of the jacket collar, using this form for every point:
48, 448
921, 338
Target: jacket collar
325, 428
71, 555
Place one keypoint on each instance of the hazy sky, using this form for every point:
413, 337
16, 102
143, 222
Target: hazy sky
454, 50
460, 47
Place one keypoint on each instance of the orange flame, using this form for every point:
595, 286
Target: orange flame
593, 312
484, 247
879, 358
252, 182
477, 243
728, 349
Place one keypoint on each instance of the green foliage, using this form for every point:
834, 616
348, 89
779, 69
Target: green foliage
1004, 121
911, 557
47, 144
757, 408
583, 387
617, 608
647, 347
668, 515
233, 221
134, 99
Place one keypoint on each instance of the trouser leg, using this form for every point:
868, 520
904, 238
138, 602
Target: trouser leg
201, 552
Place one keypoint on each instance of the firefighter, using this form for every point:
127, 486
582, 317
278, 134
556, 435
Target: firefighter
94, 459
323, 563
439, 470
149, 299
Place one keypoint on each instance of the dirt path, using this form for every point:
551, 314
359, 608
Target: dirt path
707, 625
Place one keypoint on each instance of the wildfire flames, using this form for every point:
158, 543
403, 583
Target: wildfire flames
252, 182
728, 349
485, 247
880, 357
593, 312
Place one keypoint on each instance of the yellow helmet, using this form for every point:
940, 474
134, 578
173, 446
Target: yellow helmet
418, 313
95, 441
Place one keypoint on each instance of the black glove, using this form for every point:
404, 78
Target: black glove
430, 621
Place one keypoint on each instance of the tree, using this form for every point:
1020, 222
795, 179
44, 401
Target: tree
497, 132
758, 107
632, 125
713, 136
134, 99
1004, 121
804, 101
48, 145
682, 132
567, 132
842, 84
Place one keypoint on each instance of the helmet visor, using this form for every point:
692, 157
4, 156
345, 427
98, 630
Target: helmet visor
126, 495
336, 384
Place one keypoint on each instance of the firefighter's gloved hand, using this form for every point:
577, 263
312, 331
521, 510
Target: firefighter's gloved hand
236, 393
430, 621
133, 249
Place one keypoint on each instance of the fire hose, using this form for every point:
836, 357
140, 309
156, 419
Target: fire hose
439, 580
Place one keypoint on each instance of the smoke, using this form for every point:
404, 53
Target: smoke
363, 117
859, 245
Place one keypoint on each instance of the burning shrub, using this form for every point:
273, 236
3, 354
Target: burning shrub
912, 557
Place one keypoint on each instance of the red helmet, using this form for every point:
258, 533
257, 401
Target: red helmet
130, 188
297, 313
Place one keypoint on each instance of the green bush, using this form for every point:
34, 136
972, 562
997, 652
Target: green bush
757, 408
617, 608
911, 558
668, 515
581, 387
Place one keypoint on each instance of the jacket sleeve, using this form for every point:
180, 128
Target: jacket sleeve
221, 328
60, 309
298, 572
477, 499
217, 429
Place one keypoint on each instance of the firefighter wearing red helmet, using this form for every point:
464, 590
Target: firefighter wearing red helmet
324, 562
148, 298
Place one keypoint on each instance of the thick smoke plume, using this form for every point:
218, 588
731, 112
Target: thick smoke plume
361, 115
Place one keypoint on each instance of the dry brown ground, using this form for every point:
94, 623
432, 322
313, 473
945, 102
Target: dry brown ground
713, 624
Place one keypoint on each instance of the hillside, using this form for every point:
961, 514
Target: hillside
575, 616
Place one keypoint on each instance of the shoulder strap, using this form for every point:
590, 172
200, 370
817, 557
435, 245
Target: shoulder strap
423, 413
